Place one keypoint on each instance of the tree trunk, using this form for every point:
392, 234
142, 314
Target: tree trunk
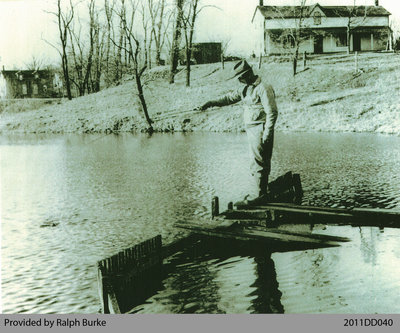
118, 60
176, 40
189, 42
296, 55
188, 66
139, 87
348, 37
157, 38
66, 73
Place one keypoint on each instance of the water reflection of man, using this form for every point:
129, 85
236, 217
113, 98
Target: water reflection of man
260, 114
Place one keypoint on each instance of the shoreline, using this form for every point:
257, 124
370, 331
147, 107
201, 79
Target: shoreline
326, 97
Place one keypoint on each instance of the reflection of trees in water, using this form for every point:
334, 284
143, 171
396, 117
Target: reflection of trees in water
316, 270
369, 238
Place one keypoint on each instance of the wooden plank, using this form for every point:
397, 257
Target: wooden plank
284, 213
113, 304
277, 205
263, 212
101, 288
262, 234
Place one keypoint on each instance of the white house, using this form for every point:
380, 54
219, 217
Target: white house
324, 29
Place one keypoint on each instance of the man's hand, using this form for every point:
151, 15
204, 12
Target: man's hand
266, 135
205, 106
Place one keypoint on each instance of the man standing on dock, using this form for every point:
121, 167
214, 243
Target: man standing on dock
260, 114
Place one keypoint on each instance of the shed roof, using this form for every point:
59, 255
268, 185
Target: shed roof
25, 73
272, 12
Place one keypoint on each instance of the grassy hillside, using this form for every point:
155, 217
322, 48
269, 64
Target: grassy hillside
328, 96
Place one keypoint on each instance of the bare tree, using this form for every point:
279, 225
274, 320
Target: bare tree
85, 52
176, 39
159, 29
189, 19
77, 57
160, 19
35, 63
98, 58
298, 32
93, 35
133, 50
146, 11
64, 21
110, 35
294, 35
354, 20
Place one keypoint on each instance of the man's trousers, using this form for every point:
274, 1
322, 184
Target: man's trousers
260, 156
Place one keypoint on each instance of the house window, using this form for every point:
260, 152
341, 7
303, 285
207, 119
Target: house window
24, 89
317, 18
341, 40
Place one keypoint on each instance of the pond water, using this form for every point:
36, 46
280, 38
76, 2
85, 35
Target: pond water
69, 201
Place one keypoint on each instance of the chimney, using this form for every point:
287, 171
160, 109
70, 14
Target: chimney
376, 2
262, 2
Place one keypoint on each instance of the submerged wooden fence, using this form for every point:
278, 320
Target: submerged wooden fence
127, 278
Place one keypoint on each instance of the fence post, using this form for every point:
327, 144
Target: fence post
222, 61
260, 61
304, 60
214, 207
356, 61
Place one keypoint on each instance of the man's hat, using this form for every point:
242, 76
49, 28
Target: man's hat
240, 68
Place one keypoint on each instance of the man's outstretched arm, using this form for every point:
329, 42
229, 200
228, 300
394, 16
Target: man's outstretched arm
228, 99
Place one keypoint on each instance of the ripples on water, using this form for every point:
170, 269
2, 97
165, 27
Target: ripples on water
68, 201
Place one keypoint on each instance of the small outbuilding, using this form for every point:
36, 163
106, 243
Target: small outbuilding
30, 84
203, 53
206, 53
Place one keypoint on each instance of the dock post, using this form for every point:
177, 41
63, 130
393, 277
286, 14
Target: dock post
298, 189
214, 207
356, 62
102, 289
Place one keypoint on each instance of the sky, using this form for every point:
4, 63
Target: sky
25, 25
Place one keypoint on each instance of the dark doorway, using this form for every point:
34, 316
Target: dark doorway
356, 42
318, 44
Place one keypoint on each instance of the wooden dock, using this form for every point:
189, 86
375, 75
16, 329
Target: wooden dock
128, 278
273, 214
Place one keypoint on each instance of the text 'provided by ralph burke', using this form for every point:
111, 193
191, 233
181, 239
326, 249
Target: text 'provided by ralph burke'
57, 322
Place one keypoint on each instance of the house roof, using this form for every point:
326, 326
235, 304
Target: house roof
25, 73
271, 12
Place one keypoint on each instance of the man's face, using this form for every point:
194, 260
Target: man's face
245, 77
242, 78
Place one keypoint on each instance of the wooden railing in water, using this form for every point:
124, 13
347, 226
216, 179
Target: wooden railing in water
127, 278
